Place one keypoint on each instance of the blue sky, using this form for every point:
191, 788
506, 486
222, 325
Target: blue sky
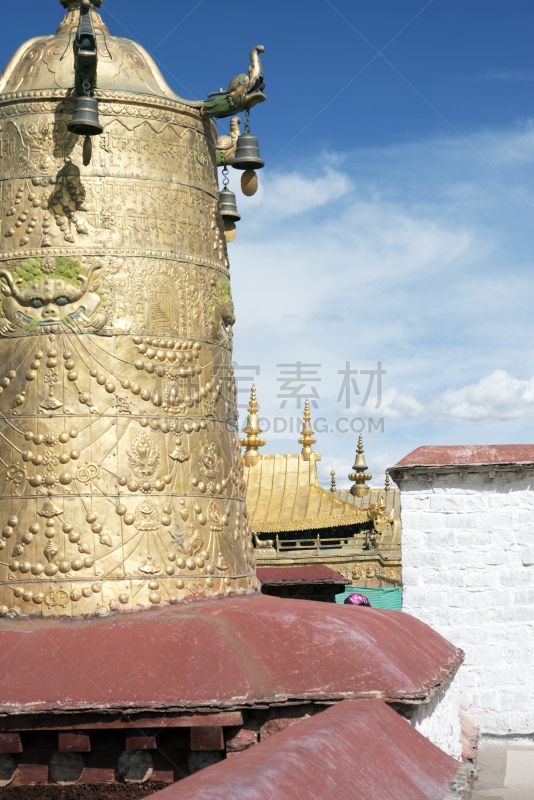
394, 217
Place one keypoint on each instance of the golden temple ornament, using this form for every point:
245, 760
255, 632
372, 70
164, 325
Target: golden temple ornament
333, 488
122, 479
306, 434
360, 476
252, 440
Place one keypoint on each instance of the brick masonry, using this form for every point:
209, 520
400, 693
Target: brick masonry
468, 571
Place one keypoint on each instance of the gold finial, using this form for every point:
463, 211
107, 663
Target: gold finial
359, 489
67, 3
306, 434
253, 404
387, 485
333, 482
71, 20
252, 440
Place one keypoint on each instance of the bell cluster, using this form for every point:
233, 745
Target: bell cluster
247, 158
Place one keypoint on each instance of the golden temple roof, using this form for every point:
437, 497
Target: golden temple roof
283, 494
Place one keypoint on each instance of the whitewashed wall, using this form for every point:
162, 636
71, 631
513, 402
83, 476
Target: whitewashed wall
439, 720
468, 571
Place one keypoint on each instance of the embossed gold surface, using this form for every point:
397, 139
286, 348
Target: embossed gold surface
120, 468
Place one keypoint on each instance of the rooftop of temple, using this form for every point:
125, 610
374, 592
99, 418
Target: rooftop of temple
295, 521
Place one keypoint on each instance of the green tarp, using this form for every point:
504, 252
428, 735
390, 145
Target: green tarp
379, 598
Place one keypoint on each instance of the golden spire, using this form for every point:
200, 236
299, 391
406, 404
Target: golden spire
71, 19
387, 485
252, 440
359, 489
333, 482
67, 3
306, 434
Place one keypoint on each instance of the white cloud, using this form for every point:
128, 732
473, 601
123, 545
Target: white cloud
397, 406
497, 396
281, 196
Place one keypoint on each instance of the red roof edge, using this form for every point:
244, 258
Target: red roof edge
315, 573
468, 455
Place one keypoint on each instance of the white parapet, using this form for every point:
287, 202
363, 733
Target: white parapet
468, 571
439, 719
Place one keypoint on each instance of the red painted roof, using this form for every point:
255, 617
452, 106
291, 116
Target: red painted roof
357, 748
315, 573
220, 654
468, 455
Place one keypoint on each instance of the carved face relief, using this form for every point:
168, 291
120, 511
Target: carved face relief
50, 299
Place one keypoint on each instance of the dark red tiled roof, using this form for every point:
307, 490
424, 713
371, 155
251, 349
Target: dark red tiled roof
357, 748
219, 654
316, 573
468, 455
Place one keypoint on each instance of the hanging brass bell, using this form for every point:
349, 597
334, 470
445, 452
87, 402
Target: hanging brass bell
228, 206
85, 120
247, 154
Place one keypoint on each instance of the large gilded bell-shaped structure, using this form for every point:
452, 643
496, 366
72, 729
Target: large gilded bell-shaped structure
120, 468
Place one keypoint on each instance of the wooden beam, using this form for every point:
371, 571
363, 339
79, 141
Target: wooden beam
207, 738
70, 722
74, 742
32, 767
10, 743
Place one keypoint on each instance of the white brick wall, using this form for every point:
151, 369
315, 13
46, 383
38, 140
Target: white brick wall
439, 720
467, 552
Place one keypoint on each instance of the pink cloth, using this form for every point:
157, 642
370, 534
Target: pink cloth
358, 600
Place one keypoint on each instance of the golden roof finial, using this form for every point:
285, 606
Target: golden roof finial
253, 404
252, 440
67, 3
333, 482
71, 19
387, 485
359, 489
306, 434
